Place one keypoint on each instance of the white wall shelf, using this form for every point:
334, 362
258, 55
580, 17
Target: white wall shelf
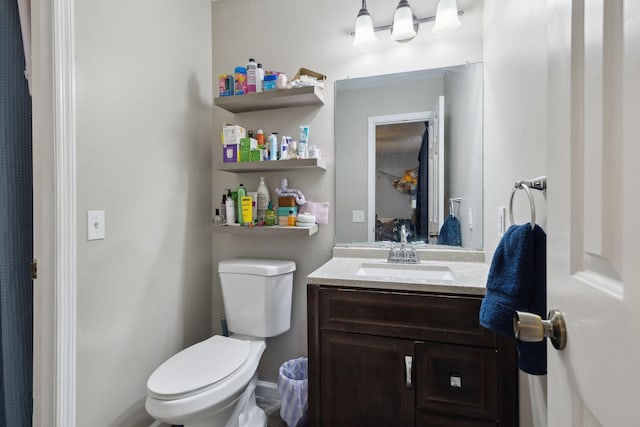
266, 231
272, 165
272, 99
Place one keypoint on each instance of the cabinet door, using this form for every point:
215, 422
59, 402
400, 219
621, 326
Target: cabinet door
364, 381
457, 380
431, 420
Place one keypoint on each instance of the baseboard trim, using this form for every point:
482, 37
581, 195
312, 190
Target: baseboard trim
267, 390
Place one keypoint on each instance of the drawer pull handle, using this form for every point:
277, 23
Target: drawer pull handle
455, 380
408, 363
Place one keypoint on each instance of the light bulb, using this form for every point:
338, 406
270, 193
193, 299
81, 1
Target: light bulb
446, 17
403, 28
364, 35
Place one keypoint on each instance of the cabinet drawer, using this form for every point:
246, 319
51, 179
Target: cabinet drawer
430, 420
457, 380
442, 318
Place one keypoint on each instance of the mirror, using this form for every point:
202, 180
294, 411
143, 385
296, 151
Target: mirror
409, 153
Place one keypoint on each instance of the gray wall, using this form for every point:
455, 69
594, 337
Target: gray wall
515, 135
293, 34
143, 155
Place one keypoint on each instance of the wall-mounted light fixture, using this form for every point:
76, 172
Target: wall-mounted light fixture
405, 24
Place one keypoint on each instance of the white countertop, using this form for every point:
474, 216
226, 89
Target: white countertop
468, 278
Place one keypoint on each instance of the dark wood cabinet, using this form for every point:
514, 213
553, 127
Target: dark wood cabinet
393, 358
371, 370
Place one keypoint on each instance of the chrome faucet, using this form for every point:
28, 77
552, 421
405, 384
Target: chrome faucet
403, 254
403, 234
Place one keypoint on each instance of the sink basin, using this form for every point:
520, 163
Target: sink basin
405, 272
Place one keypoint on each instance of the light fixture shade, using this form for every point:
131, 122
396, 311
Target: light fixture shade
403, 26
446, 17
364, 35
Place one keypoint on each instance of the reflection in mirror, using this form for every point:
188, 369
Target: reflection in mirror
409, 152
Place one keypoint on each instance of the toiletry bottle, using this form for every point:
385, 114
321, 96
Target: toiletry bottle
273, 146
223, 209
240, 74
230, 208
260, 78
263, 200
284, 148
241, 192
217, 219
261, 146
252, 75
293, 149
260, 138
246, 203
270, 216
291, 220
303, 143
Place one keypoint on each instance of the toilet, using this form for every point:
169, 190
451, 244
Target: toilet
212, 383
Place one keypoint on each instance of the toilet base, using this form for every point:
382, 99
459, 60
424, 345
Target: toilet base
243, 412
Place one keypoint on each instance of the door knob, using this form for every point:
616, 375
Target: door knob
529, 327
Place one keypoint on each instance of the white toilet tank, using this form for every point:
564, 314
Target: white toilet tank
257, 295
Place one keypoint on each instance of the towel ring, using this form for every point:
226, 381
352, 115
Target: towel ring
525, 187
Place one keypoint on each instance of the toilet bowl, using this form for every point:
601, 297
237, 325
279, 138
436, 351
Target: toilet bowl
212, 383
201, 384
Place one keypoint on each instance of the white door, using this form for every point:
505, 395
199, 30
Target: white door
594, 211
436, 168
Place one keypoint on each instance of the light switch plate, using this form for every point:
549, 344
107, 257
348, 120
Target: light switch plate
501, 213
358, 216
95, 225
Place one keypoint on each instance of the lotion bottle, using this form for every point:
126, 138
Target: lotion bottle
273, 146
230, 208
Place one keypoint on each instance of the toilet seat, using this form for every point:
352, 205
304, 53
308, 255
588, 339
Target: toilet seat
197, 368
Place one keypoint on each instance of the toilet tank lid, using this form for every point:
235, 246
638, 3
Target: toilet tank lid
256, 266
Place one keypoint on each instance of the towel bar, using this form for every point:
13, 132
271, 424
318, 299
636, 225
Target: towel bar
539, 183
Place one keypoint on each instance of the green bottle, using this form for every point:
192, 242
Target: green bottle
270, 216
241, 192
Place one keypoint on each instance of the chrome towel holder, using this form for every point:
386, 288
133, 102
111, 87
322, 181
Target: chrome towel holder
539, 183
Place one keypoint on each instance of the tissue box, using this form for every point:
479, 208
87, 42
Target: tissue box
232, 134
316, 79
256, 155
230, 153
283, 212
247, 145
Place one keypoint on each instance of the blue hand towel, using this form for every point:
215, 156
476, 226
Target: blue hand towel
450, 232
518, 281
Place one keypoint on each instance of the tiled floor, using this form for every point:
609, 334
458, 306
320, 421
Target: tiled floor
272, 409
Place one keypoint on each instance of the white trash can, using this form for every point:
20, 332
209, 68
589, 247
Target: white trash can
293, 386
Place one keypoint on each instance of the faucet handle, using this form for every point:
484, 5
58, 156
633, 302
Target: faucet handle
412, 255
393, 253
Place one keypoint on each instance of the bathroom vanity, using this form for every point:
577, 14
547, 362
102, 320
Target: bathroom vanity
400, 345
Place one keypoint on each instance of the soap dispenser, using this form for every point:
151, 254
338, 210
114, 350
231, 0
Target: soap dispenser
270, 216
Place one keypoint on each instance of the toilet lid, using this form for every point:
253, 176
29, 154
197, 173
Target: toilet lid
197, 367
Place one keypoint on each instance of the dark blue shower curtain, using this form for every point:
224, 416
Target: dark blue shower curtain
422, 193
16, 226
